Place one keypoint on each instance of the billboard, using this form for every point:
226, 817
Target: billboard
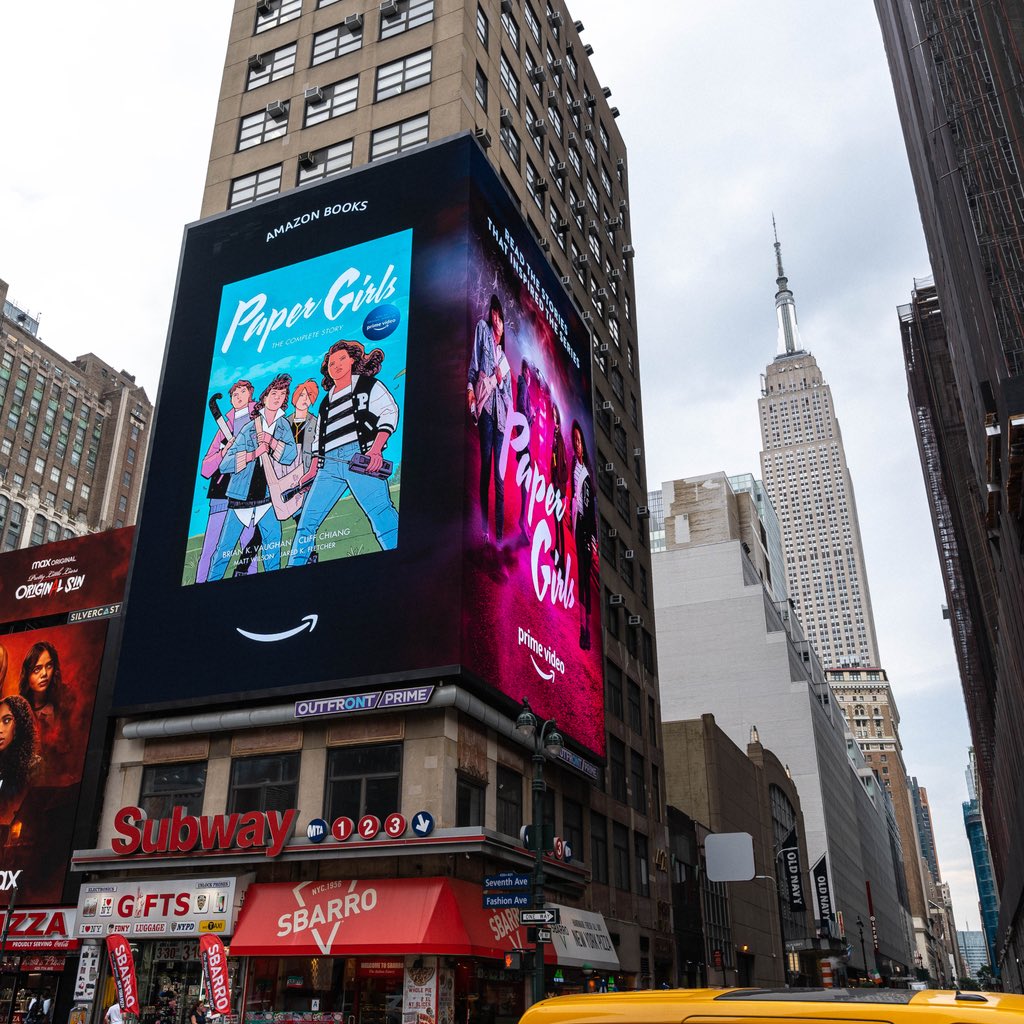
48, 681
311, 518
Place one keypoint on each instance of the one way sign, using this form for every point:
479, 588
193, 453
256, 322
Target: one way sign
423, 823
539, 916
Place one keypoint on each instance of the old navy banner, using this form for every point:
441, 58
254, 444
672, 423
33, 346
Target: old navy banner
794, 882
122, 967
215, 969
824, 910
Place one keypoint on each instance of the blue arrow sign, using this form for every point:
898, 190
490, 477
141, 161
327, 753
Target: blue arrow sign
423, 823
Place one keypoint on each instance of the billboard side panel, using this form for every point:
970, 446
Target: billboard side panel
531, 613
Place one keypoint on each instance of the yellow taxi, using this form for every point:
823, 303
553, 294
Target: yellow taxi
780, 1006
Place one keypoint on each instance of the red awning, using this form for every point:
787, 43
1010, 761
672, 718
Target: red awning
375, 917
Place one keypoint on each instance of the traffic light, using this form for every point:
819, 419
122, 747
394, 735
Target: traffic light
513, 960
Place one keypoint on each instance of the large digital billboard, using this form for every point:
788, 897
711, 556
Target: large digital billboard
48, 681
315, 497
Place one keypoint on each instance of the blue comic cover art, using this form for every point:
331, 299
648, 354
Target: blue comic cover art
301, 459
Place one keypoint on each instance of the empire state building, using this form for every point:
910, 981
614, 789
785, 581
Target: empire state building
804, 469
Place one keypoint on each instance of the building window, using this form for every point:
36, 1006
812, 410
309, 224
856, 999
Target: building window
613, 690
617, 768
572, 827
39, 532
364, 780
532, 182
86, 490
325, 162
15, 517
269, 67
276, 12
510, 141
251, 187
635, 708
410, 15
483, 27
337, 99
335, 42
469, 803
532, 23
166, 786
637, 782
510, 801
598, 848
643, 878
620, 855
397, 138
402, 75
508, 23
509, 80
266, 783
481, 87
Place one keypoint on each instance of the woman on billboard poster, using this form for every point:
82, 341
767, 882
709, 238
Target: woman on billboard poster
19, 754
42, 685
583, 527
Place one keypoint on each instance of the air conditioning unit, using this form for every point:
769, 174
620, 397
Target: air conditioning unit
588, 130
354, 23
602, 293
616, 599
580, 206
506, 6
307, 159
606, 405
540, 185
619, 162
578, 25
587, 316
277, 110
505, 117
615, 363
552, 98
574, 105
582, 260
642, 512
606, 92
256, 62
561, 169
629, 554
537, 74
483, 136
613, 532
638, 451
572, 139
609, 467
566, 280
616, 420
545, 245
635, 620
614, 224
588, 50
563, 225
615, 274
314, 94
389, 9
538, 127
604, 346
621, 483
614, 111
264, 8
556, 67
554, 19
628, 250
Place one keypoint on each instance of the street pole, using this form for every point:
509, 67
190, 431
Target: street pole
539, 788
863, 951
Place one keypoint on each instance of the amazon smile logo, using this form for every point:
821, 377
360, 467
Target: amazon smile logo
308, 622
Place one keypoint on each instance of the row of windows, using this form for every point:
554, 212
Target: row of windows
325, 102
387, 141
402, 16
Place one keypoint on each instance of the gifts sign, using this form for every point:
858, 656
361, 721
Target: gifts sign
215, 969
122, 966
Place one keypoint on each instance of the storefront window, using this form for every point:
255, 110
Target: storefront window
170, 974
28, 979
364, 780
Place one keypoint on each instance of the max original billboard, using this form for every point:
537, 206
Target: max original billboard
315, 497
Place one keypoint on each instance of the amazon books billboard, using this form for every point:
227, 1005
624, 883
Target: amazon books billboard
372, 459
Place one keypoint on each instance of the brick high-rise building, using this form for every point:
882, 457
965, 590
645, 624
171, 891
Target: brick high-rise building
957, 68
312, 89
73, 438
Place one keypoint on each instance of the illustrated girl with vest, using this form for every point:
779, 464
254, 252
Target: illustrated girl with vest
356, 419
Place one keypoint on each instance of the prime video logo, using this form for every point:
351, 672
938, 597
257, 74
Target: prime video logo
381, 322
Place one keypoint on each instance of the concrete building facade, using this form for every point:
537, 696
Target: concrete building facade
73, 438
728, 648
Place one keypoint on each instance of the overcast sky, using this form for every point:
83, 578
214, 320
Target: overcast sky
731, 111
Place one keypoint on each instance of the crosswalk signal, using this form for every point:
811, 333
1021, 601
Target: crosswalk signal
513, 960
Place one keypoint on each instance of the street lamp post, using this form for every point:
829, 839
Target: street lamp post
546, 737
863, 951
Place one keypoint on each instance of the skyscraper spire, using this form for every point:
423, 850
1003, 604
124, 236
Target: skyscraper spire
785, 306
